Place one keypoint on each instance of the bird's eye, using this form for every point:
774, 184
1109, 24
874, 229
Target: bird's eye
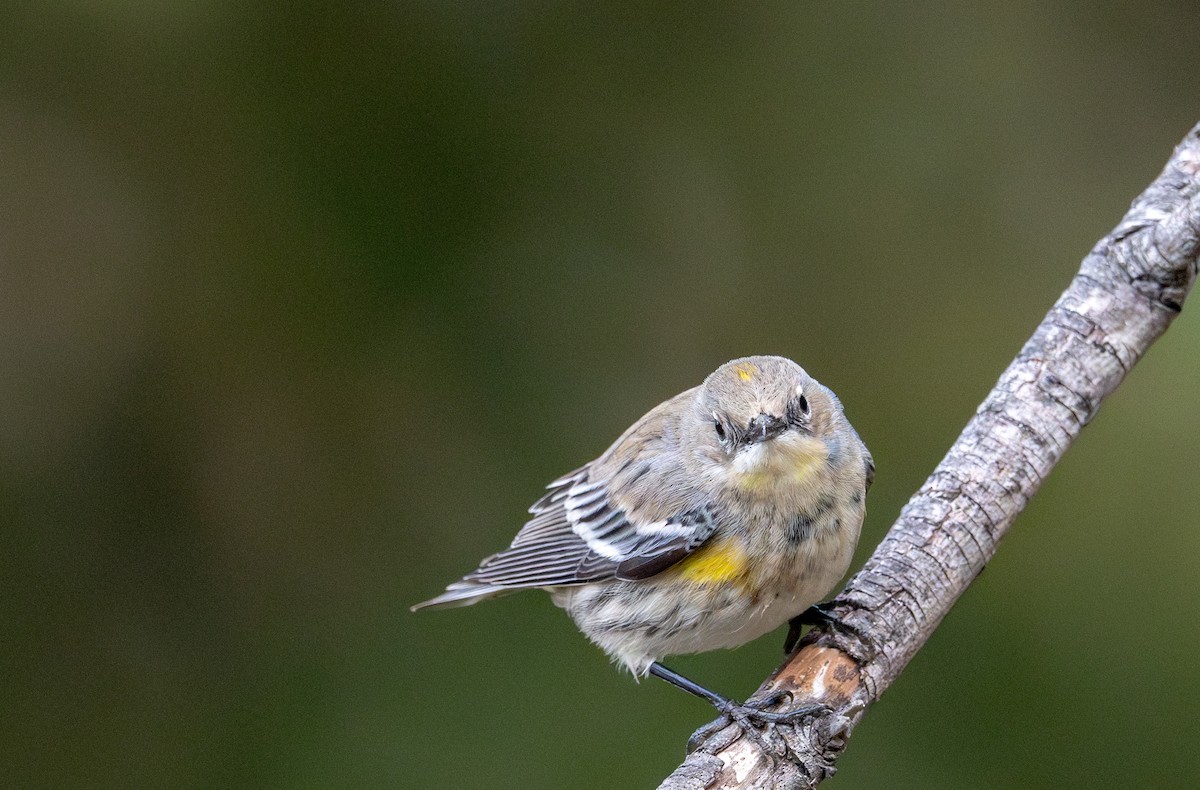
798, 409
720, 429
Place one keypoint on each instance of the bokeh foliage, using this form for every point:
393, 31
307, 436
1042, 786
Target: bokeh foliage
302, 305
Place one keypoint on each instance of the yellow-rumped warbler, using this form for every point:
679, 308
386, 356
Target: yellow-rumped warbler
720, 515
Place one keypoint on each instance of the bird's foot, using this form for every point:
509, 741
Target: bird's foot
819, 614
754, 721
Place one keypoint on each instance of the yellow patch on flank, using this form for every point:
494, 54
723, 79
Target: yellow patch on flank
745, 371
718, 562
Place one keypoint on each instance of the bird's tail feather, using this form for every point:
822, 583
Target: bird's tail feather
461, 594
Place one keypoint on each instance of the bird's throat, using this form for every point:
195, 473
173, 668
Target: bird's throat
783, 463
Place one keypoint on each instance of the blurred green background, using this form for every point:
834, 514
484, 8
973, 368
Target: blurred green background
303, 305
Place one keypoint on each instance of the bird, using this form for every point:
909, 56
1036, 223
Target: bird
723, 513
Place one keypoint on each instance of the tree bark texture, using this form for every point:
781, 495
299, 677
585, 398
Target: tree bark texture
1125, 295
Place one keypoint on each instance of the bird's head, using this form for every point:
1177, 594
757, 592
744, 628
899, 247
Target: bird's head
765, 420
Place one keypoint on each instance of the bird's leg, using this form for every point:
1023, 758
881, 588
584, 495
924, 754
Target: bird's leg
746, 714
793, 635
818, 614
692, 687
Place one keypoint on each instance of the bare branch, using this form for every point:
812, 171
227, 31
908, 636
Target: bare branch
1128, 290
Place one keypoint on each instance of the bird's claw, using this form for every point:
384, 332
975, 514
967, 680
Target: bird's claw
755, 722
820, 614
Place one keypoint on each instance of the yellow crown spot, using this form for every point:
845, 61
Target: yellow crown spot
745, 371
717, 563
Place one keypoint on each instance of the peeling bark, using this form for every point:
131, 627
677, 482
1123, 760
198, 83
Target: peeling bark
1130, 287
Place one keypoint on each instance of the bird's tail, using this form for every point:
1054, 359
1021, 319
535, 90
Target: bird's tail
462, 593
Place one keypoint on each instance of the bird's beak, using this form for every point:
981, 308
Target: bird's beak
765, 427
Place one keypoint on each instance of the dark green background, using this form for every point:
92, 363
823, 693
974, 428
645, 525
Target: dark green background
300, 307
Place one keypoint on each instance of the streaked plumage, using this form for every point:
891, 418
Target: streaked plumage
720, 515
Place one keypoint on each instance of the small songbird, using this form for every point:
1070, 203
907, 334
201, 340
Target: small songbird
720, 515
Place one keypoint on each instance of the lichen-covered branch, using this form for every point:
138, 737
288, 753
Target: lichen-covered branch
1128, 290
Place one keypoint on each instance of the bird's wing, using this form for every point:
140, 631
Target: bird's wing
578, 534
